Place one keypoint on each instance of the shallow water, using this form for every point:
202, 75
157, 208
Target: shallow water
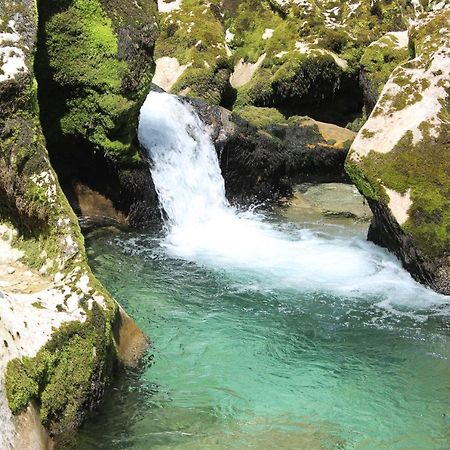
243, 358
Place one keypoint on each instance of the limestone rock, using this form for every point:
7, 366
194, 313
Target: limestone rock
94, 66
400, 159
58, 350
378, 61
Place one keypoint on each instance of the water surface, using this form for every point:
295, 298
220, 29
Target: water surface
267, 334
242, 362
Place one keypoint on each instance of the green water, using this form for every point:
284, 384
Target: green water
241, 362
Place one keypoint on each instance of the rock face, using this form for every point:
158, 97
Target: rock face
400, 159
262, 154
377, 63
302, 57
58, 326
94, 68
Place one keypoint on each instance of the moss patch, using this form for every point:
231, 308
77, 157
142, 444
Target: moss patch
381, 58
424, 169
67, 374
85, 76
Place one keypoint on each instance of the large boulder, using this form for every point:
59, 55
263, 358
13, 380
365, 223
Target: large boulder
400, 160
262, 154
302, 57
377, 63
61, 333
94, 66
191, 54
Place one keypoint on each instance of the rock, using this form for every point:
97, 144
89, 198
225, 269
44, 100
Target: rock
94, 66
333, 202
57, 359
10, 270
338, 200
378, 61
400, 160
262, 157
302, 57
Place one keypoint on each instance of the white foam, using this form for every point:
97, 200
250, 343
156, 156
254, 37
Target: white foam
203, 228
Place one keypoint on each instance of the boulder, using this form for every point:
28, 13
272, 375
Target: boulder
400, 159
94, 65
377, 63
262, 154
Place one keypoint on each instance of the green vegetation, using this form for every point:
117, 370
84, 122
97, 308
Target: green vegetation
195, 35
381, 58
429, 216
96, 91
261, 117
66, 374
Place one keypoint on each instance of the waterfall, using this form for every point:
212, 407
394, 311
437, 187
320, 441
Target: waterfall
202, 227
185, 169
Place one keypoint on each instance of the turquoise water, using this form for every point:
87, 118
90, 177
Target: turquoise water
245, 358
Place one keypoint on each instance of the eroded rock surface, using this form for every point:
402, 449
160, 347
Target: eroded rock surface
58, 350
94, 66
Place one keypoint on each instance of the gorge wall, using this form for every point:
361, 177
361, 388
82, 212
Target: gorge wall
62, 335
400, 159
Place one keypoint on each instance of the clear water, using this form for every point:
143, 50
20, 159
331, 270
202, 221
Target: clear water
241, 362
266, 334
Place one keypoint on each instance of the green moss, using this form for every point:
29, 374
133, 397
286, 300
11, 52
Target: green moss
207, 83
423, 168
362, 181
381, 58
195, 36
61, 378
93, 90
261, 117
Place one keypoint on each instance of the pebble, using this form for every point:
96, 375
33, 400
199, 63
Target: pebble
10, 270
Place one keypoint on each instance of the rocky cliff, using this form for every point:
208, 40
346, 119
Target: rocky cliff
62, 335
94, 67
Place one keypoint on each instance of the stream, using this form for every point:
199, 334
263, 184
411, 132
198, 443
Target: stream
267, 333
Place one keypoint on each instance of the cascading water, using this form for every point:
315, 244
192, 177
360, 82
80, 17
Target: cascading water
202, 227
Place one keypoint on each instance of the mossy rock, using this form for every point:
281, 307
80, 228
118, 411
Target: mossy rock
94, 69
400, 160
194, 35
67, 376
378, 62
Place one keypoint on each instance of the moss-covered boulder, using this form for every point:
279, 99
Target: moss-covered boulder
303, 57
94, 68
378, 61
400, 159
191, 53
262, 153
59, 334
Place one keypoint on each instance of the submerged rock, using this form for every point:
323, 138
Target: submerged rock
400, 159
336, 203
